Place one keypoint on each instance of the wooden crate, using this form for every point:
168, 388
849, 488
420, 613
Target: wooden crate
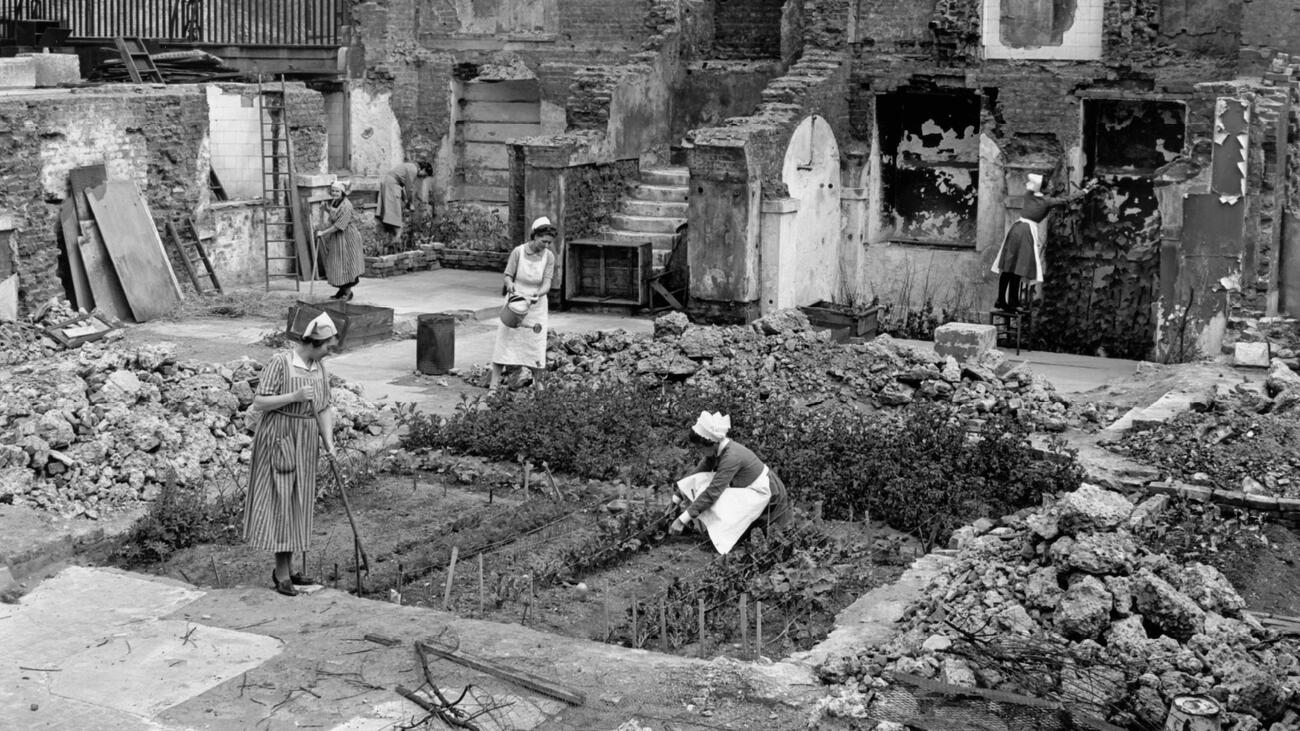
608, 272
358, 325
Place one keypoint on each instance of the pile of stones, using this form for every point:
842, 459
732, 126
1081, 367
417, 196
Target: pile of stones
26, 340
105, 425
1065, 603
783, 354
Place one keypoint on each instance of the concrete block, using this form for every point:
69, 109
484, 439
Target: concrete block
17, 73
315, 180
1252, 355
54, 69
964, 341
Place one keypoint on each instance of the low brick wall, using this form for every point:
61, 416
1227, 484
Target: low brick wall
472, 259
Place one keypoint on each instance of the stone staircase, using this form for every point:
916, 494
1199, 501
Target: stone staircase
652, 210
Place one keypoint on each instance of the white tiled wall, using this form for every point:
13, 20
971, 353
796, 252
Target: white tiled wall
236, 142
1081, 42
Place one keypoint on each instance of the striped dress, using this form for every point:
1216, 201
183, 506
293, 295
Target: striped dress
344, 257
282, 480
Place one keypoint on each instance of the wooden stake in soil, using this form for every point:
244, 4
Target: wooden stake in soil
356, 562
635, 638
451, 576
758, 628
744, 624
401, 574
480, 585
701, 626
607, 618
663, 624
216, 575
336, 574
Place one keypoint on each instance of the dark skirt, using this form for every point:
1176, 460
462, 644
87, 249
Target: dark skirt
1018, 252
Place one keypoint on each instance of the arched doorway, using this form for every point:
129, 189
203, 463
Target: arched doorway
811, 173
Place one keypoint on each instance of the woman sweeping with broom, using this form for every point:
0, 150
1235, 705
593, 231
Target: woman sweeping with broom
293, 393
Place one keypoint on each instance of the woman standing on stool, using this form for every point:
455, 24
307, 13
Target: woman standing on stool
1021, 254
292, 389
528, 274
344, 258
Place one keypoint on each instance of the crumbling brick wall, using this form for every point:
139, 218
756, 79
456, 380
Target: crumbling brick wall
747, 29
155, 139
1270, 25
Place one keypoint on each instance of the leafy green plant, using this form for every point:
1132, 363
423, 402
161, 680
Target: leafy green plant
464, 226
182, 516
916, 468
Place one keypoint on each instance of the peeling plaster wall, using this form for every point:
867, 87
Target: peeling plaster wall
376, 137
1079, 39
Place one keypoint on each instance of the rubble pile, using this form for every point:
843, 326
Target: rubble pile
783, 354
1063, 603
108, 424
1247, 440
26, 340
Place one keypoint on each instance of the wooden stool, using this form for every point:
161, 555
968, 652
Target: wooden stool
1009, 323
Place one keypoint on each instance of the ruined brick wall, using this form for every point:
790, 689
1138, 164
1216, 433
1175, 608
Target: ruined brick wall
1271, 25
889, 25
600, 22
747, 29
308, 127
153, 138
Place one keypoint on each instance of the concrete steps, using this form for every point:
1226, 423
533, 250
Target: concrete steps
652, 211
645, 224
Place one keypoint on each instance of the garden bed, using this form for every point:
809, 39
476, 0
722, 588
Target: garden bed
574, 568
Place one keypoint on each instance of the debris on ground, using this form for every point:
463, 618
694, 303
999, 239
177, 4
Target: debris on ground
105, 425
1247, 440
25, 340
1067, 604
782, 353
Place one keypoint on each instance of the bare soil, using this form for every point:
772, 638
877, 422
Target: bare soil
409, 524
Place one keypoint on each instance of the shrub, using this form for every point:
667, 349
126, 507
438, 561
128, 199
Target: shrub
916, 468
179, 518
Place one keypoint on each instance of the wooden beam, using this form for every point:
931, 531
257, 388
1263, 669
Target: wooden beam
518, 677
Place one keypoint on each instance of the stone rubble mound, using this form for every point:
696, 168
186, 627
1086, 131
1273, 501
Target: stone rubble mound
1063, 603
783, 354
25, 340
106, 424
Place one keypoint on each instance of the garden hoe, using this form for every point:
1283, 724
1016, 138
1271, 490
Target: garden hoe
362, 560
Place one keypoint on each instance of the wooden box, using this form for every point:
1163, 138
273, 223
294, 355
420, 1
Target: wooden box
859, 322
358, 324
608, 272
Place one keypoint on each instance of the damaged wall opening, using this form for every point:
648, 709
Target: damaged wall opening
929, 154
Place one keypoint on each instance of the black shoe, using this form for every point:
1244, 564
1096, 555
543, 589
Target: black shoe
283, 587
338, 295
300, 580
1000, 307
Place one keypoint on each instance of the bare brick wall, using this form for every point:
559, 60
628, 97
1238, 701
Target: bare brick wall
747, 29
154, 139
890, 24
1272, 24
600, 22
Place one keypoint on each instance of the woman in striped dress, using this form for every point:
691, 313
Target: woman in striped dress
293, 391
344, 258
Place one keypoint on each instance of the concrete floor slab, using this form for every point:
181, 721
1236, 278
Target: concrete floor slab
151, 666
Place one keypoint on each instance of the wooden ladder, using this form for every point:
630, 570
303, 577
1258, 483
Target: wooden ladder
193, 256
132, 50
283, 226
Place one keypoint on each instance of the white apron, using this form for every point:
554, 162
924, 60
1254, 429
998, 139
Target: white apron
1038, 251
728, 517
525, 345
